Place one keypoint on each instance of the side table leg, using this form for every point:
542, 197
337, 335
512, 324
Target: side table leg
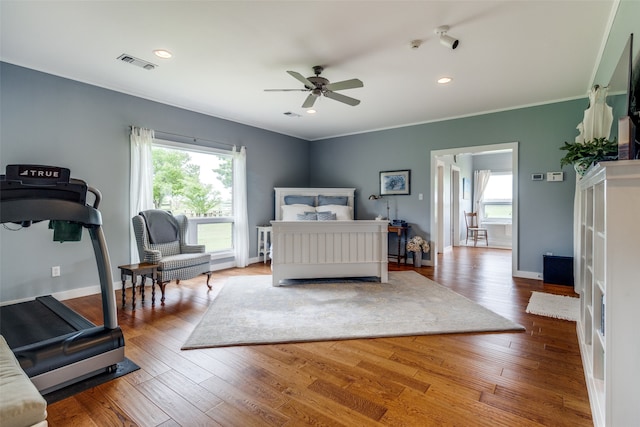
123, 277
144, 281
134, 279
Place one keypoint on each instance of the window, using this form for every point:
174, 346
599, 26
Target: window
197, 182
496, 203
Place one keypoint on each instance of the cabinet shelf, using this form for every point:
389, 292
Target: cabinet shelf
609, 201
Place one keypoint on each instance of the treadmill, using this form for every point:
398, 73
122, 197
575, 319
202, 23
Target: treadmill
54, 345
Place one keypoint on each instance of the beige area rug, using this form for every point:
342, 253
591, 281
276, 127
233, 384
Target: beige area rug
249, 310
557, 306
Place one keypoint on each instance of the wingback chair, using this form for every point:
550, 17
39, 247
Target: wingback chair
161, 240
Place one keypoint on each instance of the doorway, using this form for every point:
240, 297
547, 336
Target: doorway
446, 189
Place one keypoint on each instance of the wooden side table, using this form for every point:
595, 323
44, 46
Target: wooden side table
401, 232
142, 269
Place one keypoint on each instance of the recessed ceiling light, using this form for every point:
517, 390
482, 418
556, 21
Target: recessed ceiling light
444, 80
161, 53
311, 111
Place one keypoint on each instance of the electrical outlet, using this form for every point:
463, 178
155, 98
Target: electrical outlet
55, 271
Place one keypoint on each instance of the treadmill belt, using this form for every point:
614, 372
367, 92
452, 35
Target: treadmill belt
30, 322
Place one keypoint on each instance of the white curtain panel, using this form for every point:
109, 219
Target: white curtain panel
480, 181
141, 179
240, 212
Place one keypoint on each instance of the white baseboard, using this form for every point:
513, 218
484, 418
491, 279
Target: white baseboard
527, 275
95, 289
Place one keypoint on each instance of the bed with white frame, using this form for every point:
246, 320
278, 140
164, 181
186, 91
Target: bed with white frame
341, 248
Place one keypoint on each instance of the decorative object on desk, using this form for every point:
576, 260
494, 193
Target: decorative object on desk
395, 183
557, 306
399, 223
417, 245
583, 154
248, 310
376, 197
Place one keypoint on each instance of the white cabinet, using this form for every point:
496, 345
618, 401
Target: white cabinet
609, 284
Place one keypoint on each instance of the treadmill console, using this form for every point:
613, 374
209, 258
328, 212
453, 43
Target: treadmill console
41, 182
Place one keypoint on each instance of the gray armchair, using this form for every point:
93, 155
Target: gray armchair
161, 240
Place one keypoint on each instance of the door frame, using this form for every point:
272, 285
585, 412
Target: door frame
455, 205
436, 221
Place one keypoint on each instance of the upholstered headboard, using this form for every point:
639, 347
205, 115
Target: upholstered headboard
282, 192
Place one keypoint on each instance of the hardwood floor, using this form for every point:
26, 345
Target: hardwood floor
527, 378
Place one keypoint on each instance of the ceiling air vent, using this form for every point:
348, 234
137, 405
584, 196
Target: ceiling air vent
291, 114
136, 61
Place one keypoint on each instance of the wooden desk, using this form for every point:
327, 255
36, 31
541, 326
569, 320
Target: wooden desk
401, 232
143, 269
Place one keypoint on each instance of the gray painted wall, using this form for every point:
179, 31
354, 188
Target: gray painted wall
545, 211
497, 162
56, 121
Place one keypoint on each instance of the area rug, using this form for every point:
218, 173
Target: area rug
123, 368
249, 310
550, 305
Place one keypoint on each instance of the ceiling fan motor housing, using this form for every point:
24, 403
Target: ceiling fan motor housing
319, 82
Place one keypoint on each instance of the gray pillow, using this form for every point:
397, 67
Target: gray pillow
300, 200
326, 216
307, 216
333, 200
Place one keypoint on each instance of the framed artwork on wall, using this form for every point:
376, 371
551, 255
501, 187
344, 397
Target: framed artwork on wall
394, 183
466, 188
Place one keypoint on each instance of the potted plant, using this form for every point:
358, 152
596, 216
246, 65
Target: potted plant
417, 245
583, 154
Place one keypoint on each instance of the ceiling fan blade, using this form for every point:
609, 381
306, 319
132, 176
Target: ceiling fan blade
345, 84
342, 98
301, 79
286, 90
311, 99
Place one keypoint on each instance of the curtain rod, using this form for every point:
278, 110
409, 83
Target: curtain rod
193, 138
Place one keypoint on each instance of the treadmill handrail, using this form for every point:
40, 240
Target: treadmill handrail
20, 210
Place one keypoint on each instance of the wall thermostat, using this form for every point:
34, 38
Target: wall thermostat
537, 177
555, 176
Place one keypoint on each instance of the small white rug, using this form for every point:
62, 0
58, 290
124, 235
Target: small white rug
249, 310
550, 305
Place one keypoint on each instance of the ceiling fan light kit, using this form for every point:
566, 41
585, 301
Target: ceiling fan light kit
319, 86
445, 39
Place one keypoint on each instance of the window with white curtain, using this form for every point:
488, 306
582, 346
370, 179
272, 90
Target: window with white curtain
497, 200
197, 182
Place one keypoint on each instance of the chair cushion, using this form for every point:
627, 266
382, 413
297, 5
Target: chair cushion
183, 261
20, 402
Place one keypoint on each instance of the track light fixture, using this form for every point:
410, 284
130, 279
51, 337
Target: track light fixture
445, 39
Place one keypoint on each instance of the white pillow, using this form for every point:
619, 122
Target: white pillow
290, 212
342, 212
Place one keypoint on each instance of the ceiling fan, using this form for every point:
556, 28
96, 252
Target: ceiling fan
318, 86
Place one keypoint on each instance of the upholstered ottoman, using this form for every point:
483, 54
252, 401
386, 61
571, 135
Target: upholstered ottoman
20, 402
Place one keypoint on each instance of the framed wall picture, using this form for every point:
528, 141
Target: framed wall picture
395, 183
466, 188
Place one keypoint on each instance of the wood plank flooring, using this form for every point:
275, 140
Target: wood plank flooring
527, 378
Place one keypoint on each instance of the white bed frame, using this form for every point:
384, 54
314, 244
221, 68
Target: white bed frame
327, 249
